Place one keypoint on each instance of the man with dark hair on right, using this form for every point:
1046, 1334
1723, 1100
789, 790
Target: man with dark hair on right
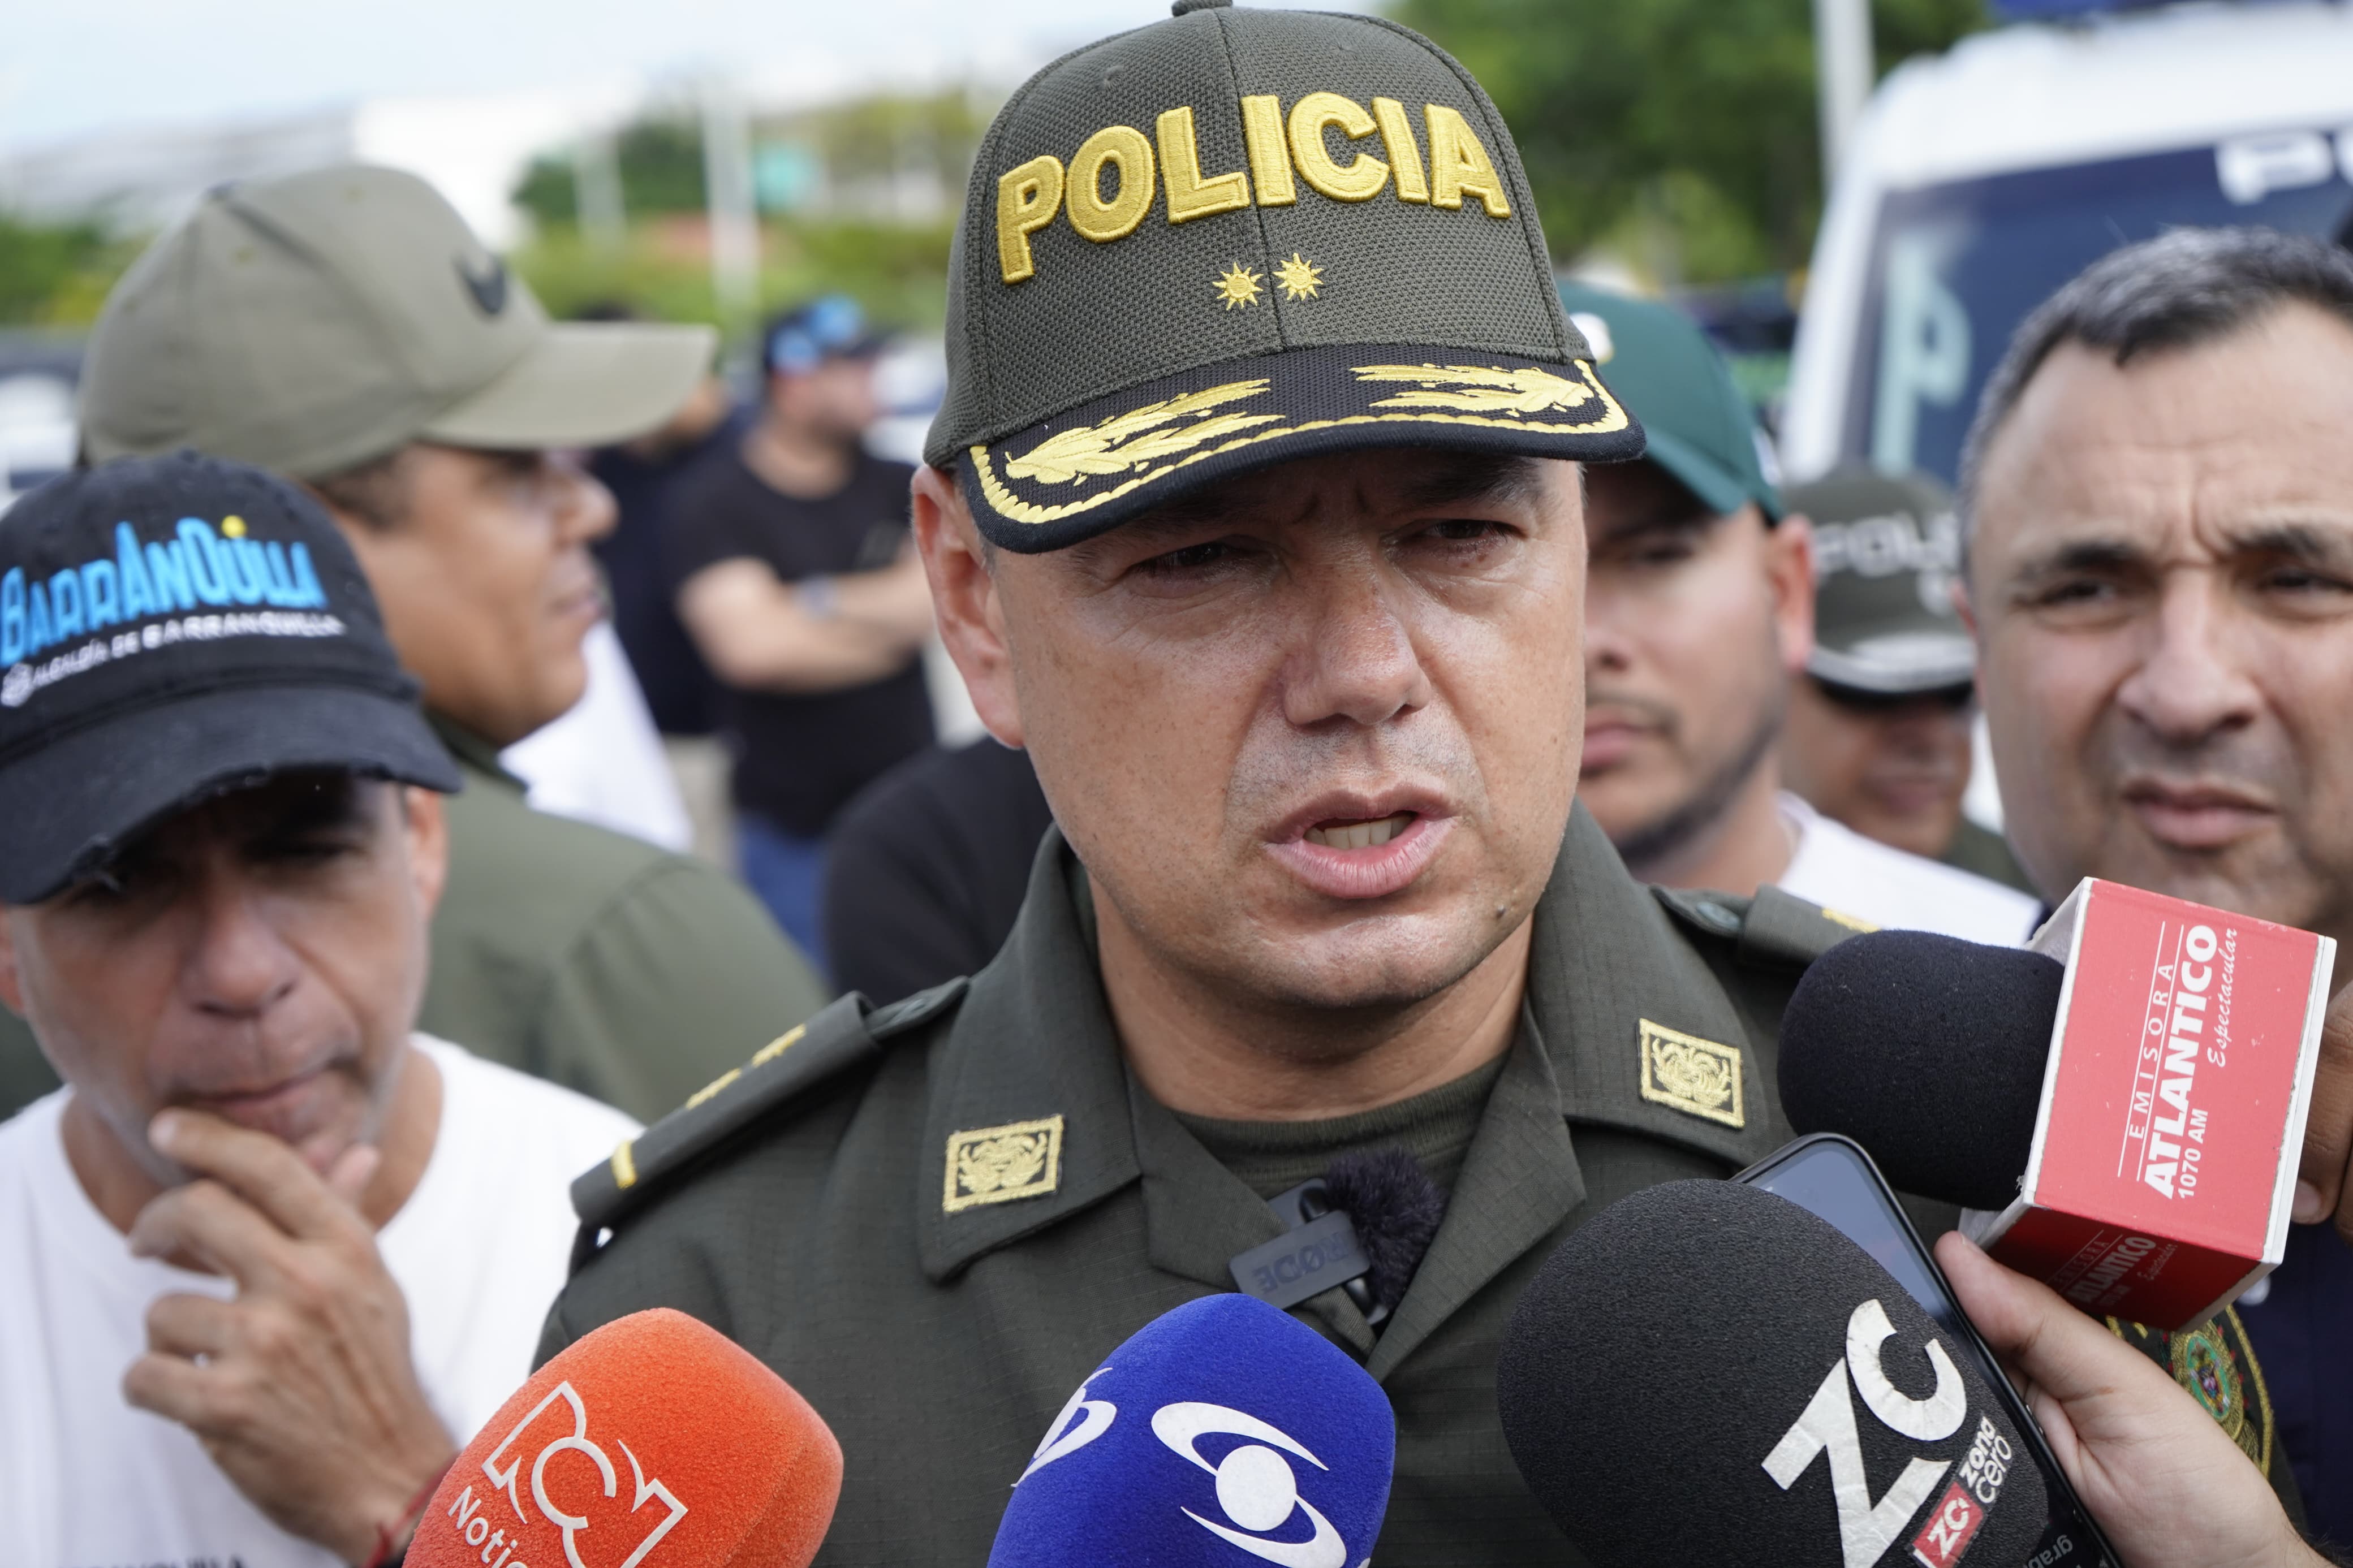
2158, 532
796, 581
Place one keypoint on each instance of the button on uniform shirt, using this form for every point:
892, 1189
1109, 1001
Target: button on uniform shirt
593, 959
87, 1481
800, 756
935, 1235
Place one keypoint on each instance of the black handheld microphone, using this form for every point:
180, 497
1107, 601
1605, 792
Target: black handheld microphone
1706, 1374
1929, 1052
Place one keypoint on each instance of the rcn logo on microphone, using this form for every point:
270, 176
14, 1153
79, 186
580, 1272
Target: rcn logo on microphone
549, 1472
1826, 1429
1224, 1432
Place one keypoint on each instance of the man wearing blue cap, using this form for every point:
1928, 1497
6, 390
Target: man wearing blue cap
796, 580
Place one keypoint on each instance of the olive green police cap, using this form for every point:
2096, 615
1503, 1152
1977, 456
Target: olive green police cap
1236, 237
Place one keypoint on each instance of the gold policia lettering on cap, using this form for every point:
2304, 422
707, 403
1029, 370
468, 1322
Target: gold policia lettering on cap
1138, 440
1032, 194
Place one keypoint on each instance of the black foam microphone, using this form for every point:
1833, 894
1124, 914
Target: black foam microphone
1706, 1375
1929, 1052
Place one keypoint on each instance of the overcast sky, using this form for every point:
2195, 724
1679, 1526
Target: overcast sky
70, 67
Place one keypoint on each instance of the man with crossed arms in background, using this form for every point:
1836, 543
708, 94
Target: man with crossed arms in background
2159, 574
273, 1252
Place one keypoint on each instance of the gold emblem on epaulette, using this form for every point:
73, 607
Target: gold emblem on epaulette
1851, 923
998, 1164
1694, 1075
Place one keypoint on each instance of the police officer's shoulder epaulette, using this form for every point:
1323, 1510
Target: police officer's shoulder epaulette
840, 1038
1774, 929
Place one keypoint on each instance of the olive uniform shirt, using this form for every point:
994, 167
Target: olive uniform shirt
937, 1313
936, 1218
596, 960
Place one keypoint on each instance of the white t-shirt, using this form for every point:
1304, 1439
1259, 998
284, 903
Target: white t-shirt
480, 1249
1841, 870
602, 760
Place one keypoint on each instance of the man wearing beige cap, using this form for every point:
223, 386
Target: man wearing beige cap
344, 328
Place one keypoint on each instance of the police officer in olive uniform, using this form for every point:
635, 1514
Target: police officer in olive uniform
1252, 513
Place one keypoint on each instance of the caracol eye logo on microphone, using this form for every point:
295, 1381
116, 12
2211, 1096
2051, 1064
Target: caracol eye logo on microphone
535, 1453
1827, 1426
1257, 1488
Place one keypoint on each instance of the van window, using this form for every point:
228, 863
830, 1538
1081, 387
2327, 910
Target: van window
1955, 268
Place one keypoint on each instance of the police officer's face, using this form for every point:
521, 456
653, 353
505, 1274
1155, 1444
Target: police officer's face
2162, 577
1313, 732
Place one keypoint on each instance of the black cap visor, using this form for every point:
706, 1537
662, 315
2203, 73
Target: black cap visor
1096, 466
73, 805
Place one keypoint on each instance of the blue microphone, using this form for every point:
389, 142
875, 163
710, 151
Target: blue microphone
1223, 1431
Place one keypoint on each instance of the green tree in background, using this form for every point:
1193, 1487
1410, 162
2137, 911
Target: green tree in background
858, 196
56, 273
1680, 134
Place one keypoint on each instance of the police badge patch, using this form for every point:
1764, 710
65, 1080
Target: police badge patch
998, 1164
1699, 1078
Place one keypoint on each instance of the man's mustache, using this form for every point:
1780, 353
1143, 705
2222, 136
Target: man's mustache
1647, 711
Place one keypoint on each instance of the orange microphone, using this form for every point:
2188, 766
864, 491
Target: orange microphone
654, 1442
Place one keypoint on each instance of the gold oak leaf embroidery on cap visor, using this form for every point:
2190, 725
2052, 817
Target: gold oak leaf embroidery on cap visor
1160, 438
1697, 1077
1130, 440
998, 1164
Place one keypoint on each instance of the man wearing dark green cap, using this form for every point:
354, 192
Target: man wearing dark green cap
344, 328
1879, 734
1699, 617
1253, 514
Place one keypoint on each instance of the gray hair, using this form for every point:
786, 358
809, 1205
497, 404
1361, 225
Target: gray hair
2184, 287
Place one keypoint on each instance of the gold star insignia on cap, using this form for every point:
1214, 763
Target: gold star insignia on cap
1238, 286
1299, 277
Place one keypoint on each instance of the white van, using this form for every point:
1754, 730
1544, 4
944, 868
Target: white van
1981, 180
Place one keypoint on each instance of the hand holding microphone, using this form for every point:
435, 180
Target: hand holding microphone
2171, 1490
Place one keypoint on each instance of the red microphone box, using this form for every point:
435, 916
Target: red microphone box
2173, 1105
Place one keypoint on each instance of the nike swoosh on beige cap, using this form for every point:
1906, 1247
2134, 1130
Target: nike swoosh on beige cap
315, 322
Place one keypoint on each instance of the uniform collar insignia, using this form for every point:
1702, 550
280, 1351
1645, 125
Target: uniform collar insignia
1001, 1164
1699, 1078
